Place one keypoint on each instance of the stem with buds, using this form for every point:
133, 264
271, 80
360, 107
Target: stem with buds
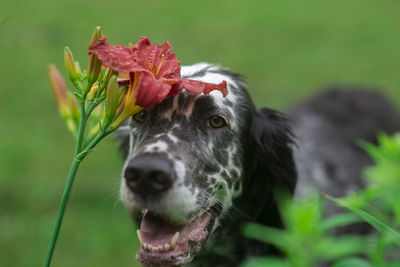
89, 95
95, 109
80, 153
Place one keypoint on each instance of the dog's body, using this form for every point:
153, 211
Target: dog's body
199, 166
329, 129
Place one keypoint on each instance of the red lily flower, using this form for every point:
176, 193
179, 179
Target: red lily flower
154, 72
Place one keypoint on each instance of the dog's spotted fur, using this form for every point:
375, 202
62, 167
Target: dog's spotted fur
207, 161
232, 170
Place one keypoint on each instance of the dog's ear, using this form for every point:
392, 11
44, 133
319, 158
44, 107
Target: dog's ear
271, 139
271, 164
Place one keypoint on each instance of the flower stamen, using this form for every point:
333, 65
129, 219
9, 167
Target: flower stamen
159, 66
147, 65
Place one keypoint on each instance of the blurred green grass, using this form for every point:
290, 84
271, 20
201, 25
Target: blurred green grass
286, 49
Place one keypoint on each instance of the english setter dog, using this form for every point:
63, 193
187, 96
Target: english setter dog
198, 166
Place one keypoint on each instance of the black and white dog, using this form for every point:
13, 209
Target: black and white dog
198, 166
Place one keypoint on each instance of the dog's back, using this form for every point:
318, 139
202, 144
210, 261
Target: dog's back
329, 128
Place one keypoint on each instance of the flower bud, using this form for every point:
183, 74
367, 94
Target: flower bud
93, 124
73, 107
69, 61
112, 97
66, 102
78, 67
94, 62
71, 125
59, 90
93, 91
124, 116
108, 74
122, 93
97, 34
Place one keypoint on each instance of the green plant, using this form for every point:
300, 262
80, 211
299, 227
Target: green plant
307, 239
377, 204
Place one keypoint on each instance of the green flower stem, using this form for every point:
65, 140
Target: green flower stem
61, 209
79, 155
68, 186
82, 149
95, 141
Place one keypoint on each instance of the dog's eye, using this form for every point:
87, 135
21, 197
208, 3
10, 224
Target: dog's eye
216, 122
141, 116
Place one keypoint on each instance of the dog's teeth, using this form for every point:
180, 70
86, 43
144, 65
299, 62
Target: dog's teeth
174, 239
139, 236
165, 247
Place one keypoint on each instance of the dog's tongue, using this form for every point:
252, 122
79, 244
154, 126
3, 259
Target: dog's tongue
156, 231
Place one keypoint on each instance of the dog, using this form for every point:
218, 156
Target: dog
199, 166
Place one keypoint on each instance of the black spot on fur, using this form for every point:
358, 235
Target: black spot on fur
227, 178
236, 160
202, 107
228, 103
234, 174
164, 106
237, 186
211, 169
213, 181
221, 155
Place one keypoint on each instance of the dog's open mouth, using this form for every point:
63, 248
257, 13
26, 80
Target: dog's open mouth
164, 244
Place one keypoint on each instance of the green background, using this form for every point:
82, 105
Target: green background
286, 49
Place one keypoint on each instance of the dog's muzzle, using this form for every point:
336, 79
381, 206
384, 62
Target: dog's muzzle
152, 178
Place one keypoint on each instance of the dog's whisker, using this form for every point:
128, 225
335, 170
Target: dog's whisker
242, 213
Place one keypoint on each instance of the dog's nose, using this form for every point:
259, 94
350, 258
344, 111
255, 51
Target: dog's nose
149, 176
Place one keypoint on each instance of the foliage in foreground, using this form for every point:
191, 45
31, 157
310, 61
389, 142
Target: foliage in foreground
308, 239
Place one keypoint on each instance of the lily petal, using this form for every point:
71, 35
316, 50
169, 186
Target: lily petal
158, 59
198, 87
175, 89
150, 91
116, 57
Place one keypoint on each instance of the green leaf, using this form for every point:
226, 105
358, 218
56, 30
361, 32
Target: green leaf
377, 224
98, 101
339, 247
302, 216
340, 220
264, 262
78, 95
267, 234
352, 262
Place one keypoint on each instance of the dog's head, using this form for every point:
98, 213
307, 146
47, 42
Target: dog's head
185, 165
